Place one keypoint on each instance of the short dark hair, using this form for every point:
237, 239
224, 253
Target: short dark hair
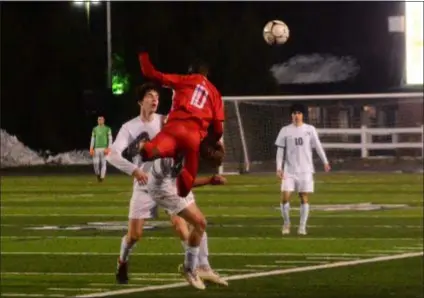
297, 107
198, 66
141, 90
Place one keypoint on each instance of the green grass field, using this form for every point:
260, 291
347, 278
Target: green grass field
60, 237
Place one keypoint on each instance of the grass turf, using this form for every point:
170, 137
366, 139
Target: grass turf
60, 237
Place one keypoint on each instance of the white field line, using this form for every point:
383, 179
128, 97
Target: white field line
156, 279
77, 289
258, 274
409, 247
265, 266
318, 215
87, 274
299, 262
387, 251
279, 226
30, 295
90, 238
330, 258
181, 254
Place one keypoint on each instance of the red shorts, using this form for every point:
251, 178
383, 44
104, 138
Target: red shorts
176, 137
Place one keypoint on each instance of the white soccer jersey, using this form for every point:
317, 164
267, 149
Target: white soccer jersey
129, 133
298, 142
161, 181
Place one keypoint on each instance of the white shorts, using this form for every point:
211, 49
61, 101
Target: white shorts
142, 206
298, 183
173, 204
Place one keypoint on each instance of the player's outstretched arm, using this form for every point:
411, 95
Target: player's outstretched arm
213, 180
320, 150
167, 80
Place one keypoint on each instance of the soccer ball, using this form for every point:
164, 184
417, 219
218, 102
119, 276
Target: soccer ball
276, 32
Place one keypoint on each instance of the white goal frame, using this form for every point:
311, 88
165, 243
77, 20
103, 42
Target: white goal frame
363, 146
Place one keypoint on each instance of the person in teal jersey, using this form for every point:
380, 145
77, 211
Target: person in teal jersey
101, 140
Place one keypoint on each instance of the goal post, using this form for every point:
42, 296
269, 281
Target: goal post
351, 127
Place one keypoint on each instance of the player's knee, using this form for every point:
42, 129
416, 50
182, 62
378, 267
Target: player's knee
285, 196
201, 224
134, 236
303, 198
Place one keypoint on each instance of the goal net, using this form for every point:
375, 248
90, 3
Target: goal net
362, 131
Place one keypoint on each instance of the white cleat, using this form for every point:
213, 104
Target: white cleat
301, 231
191, 277
207, 274
285, 230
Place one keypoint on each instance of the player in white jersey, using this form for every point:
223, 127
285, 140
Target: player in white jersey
142, 206
295, 165
162, 186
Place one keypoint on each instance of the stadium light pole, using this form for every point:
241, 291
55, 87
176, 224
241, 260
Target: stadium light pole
87, 5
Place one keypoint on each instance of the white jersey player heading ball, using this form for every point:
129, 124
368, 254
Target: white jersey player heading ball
295, 165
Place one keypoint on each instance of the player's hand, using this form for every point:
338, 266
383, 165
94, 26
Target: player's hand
91, 151
107, 151
280, 174
327, 167
140, 176
218, 180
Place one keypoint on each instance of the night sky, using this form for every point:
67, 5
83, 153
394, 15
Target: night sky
52, 60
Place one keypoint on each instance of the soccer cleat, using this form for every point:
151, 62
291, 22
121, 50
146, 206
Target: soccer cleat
191, 277
301, 231
99, 179
122, 272
207, 274
285, 230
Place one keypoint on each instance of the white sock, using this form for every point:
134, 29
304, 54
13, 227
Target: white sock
125, 249
304, 213
191, 258
285, 210
103, 169
204, 252
184, 244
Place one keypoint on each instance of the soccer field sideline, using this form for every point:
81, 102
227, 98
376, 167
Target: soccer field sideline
259, 274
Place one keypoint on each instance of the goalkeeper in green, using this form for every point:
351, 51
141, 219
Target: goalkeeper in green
101, 140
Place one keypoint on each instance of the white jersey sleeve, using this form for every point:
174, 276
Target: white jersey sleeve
281, 138
122, 141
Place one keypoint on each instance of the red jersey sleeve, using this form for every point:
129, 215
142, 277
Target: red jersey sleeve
168, 80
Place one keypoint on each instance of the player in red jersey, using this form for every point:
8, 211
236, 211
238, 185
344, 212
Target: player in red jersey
197, 104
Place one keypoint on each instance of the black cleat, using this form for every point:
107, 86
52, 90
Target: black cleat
99, 179
122, 273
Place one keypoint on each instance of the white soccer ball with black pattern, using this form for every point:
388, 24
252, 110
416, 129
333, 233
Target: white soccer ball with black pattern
276, 32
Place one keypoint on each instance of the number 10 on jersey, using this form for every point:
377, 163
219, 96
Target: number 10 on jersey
199, 97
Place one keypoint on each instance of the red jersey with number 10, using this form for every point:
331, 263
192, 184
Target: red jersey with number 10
194, 98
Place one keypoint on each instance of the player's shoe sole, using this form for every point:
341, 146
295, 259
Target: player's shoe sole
302, 232
192, 278
285, 230
211, 276
122, 273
